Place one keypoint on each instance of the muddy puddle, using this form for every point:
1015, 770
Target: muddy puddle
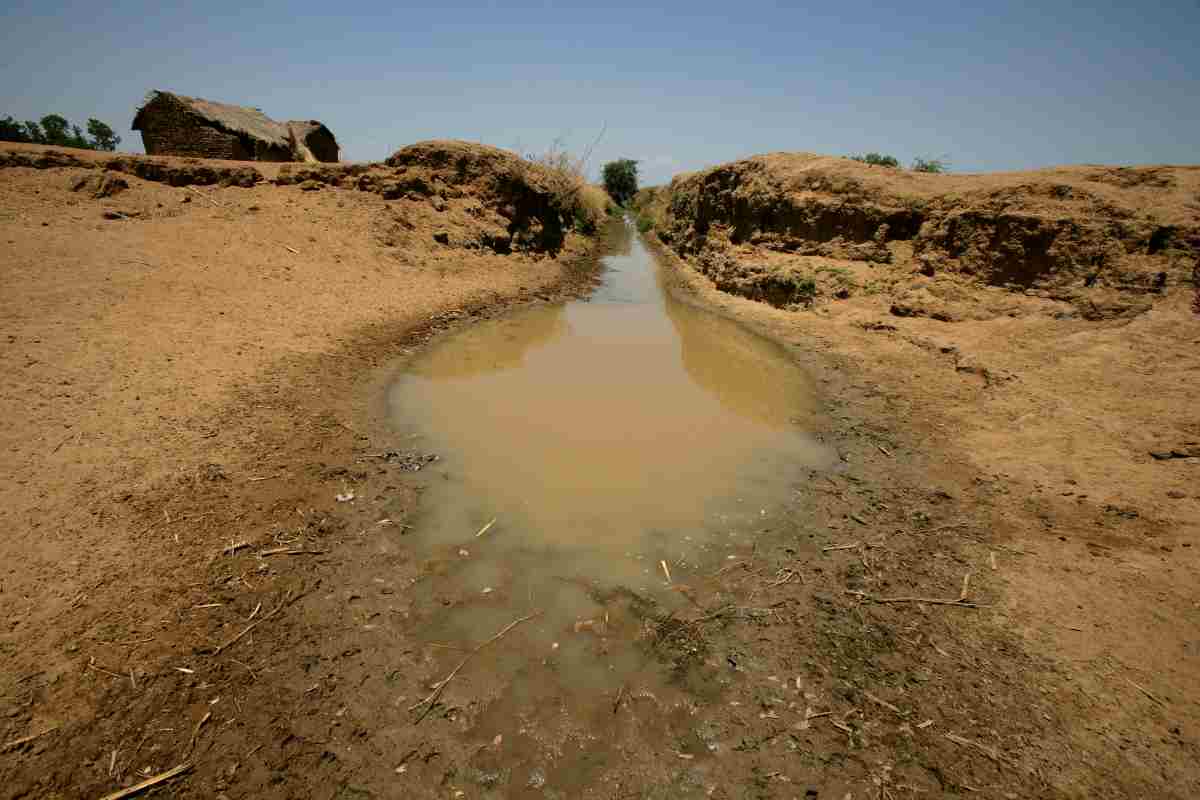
593, 442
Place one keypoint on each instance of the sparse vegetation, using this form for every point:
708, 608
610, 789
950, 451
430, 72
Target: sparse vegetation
644, 223
584, 204
806, 288
877, 160
935, 165
621, 179
56, 129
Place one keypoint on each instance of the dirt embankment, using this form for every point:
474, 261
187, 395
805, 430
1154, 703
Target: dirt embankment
1035, 335
186, 346
1098, 242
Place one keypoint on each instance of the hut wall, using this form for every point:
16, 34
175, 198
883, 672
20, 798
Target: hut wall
169, 129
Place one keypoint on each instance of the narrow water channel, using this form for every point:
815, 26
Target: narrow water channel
595, 441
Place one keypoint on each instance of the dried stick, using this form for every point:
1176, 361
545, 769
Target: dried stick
987, 751
15, 743
440, 685
196, 731
149, 782
1147, 693
286, 601
932, 600
207, 199
485, 528
850, 546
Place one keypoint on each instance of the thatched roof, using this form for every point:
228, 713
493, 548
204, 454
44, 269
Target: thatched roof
241, 120
303, 127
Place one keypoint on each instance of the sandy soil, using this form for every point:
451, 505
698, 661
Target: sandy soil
181, 366
1055, 390
186, 396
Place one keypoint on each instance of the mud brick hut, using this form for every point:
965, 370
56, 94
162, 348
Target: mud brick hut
176, 125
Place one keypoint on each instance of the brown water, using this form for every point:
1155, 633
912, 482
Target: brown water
602, 437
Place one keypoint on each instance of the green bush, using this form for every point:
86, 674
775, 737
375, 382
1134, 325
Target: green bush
644, 224
934, 165
877, 160
621, 179
583, 222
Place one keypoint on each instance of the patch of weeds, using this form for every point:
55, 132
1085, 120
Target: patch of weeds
933, 165
584, 223
644, 224
877, 160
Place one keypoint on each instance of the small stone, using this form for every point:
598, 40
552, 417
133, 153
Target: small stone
1175, 494
441, 237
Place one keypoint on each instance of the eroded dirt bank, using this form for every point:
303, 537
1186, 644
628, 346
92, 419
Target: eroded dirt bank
183, 383
196, 595
1031, 340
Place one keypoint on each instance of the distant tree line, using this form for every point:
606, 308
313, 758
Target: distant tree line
57, 130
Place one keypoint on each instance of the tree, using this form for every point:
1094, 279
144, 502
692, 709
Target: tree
620, 179
33, 132
56, 130
12, 131
103, 137
877, 160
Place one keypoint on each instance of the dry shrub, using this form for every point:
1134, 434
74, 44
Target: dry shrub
585, 204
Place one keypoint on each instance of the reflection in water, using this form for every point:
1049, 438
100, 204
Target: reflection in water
603, 437
751, 376
501, 345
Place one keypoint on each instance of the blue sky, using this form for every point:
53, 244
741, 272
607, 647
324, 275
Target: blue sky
680, 86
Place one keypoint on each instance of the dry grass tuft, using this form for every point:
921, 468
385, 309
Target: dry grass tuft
565, 176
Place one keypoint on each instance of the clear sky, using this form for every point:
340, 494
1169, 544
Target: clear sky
681, 86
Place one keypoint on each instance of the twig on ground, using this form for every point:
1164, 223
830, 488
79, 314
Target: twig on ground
288, 600
257, 479
728, 567
858, 519
148, 783
289, 551
1147, 693
485, 528
431, 700
992, 559
851, 546
932, 600
15, 743
885, 704
620, 696
207, 199
663, 563
987, 751
196, 731
233, 548
962, 596
92, 665
883, 450
291, 250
